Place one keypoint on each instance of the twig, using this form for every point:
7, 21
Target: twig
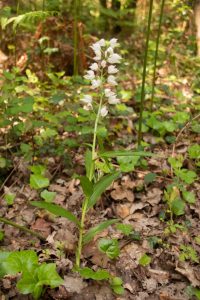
8, 222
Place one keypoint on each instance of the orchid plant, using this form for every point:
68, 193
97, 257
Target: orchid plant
101, 75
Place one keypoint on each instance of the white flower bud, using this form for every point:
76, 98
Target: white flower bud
87, 99
94, 67
103, 63
113, 100
113, 43
90, 75
111, 80
112, 69
102, 42
104, 111
96, 83
114, 58
88, 106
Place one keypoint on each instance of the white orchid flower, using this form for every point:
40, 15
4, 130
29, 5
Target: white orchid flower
111, 80
112, 69
104, 111
114, 58
90, 75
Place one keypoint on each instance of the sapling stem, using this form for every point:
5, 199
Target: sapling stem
75, 71
156, 53
31, 232
144, 73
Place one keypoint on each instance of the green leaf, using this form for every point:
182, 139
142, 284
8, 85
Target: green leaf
38, 181
186, 175
100, 187
110, 247
194, 151
178, 207
149, 178
126, 229
127, 163
38, 169
189, 197
28, 282
116, 285
56, 210
2, 162
1, 235
86, 185
88, 273
97, 229
113, 154
20, 261
47, 275
145, 260
89, 163
3, 257
48, 196
9, 198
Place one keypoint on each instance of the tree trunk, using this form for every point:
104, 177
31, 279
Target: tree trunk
197, 23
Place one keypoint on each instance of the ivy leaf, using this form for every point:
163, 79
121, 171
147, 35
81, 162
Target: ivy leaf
56, 210
48, 196
126, 229
20, 261
38, 181
110, 247
47, 275
97, 229
88, 273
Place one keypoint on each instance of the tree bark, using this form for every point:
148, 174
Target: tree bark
197, 23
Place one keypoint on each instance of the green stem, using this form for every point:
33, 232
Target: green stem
8, 222
156, 53
144, 73
85, 203
76, 4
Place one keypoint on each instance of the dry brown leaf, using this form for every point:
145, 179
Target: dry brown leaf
74, 284
122, 194
188, 271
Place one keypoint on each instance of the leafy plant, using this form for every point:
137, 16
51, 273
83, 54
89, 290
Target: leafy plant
110, 247
34, 276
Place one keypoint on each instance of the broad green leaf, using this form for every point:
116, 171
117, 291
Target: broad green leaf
86, 185
21, 261
113, 154
48, 196
110, 247
28, 282
194, 151
38, 169
116, 285
145, 260
150, 177
38, 181
56, 210
47, 275
97, 229
100, 187
178, 207
126, 229
88, 273
89, 163
186, 175
189, 197
3, 257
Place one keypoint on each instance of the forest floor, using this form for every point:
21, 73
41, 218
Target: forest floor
137, 198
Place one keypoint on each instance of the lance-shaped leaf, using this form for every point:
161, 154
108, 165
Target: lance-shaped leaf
97, 229
100, 187
56, 210
86, 185
111, 154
